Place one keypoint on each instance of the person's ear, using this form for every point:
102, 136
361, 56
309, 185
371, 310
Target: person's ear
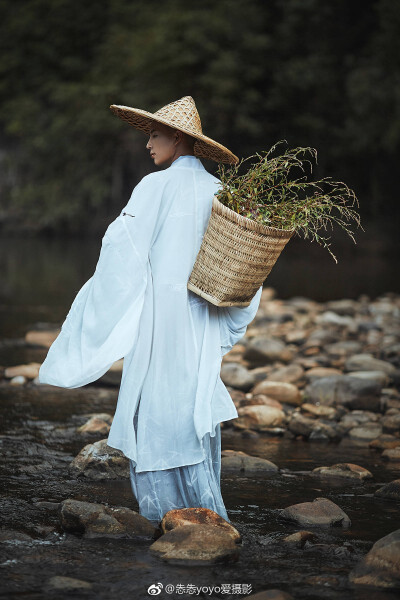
177, 137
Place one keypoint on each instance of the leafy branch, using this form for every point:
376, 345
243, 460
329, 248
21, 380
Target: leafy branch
276, 190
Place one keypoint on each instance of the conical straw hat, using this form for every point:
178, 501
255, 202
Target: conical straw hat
181, 114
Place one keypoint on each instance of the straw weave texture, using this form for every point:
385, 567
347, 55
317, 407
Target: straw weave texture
183, 115
235, 257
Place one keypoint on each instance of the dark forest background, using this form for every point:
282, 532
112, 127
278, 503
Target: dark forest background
316, 73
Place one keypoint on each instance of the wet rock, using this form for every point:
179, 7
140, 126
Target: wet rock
343, 470
196, 545
299, 538
366, 362
321, 512
319, 372
274, 594
99, 461
265, 350
96, 520
41, 338
366, 432
390, 490
319, 410
312, 429
346, 348
260, 399
240, 462
385, 441
283, 392
391, 423
29, 371
258, 417
392, 454
378, 376
97, 424
289, 374
237, 376
67, 584
331, 318
352, 392
191, 516
380, 568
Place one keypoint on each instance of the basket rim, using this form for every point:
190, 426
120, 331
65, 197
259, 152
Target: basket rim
225, 211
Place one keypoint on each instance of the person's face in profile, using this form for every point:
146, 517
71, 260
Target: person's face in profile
162, 144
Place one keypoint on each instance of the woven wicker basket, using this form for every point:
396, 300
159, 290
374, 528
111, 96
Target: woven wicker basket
235, 257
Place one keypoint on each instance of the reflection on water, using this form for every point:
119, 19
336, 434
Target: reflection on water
40, 277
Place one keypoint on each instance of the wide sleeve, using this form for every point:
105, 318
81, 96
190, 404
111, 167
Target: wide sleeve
103, 322
233, 321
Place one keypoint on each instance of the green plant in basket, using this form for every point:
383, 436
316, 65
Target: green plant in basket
277, 191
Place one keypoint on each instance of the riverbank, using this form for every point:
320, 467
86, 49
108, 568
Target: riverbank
316, 385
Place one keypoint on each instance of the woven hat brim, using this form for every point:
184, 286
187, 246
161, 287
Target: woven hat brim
204, 146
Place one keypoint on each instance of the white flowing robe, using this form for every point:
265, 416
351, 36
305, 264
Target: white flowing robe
137, 306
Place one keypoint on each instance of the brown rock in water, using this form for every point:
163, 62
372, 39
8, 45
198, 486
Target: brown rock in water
96, 520
385, 441
283, 392
391, 423
99, 461
30, 371
390, 490
67, 584
365, 432
299, 538
233, 460
345, 470
321, 512
392, 454
196, 545
180, 517
258, 417
319, 410
380, 568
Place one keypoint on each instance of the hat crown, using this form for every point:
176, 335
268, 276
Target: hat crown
182, 113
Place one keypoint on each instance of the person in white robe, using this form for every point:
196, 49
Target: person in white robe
137, 306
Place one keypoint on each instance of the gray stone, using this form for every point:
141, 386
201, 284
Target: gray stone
237, 376
366, 362
99, 461
390, 490
380, 568
264, 350
321, 512
345, 348
352, 392
366, 432
240, 462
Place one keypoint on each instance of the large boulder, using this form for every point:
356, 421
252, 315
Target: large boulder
380, 568
196, 545
321, 512
99, 461
98, 520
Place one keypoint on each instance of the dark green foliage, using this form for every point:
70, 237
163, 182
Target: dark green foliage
320, 74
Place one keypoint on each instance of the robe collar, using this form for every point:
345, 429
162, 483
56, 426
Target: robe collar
187, 162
